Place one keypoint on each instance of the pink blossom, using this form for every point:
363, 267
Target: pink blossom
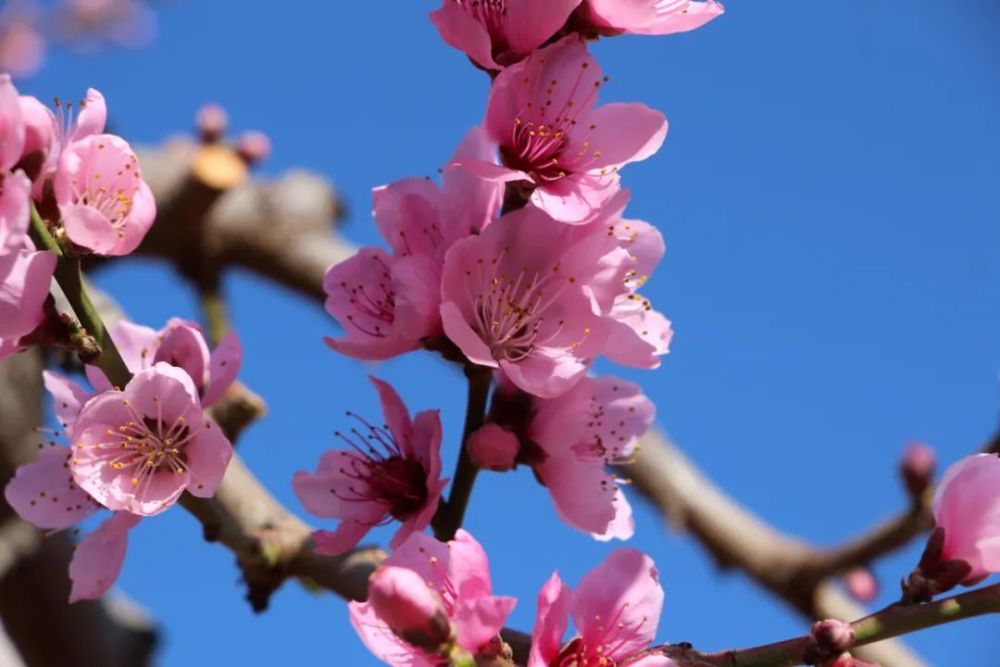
105, 205
22, 46
388, 303
41, 141
459, 573
98, 557
595, 424
412, 609
648, 17
615, 608
138, 449
528, 297
967, 506
493, 447
11, 125
390, 472
542, 115
496, 33
180, 343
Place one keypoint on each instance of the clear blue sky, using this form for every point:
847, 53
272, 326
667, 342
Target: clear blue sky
829, 197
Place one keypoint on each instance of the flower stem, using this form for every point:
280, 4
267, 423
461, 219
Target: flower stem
892, 621
70, 279
450, 515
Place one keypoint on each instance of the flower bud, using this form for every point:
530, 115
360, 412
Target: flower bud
861, 584
917, 468
412, 609
493, 448
212, 122
847, 660
832, 637
253, 147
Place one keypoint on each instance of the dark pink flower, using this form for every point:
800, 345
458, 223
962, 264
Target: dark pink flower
529, 297
615, 608
648, 17
459, 573
390, 472
542, 114
493, 447
388, 303
138, 449
496, 33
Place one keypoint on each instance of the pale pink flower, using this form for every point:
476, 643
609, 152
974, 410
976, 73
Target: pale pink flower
22, 46
648, 17
11, 125
412, 609
105, 205
388, 303
497, 33
542, 114
85, 24
179, 343
967, 507
594, 425
390, 472
459, 573
615, 608
45, 494
526, 297
138, 449
493, 447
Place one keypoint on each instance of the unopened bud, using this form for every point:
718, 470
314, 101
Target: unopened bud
917, 468
493, 448
847, 660
861, 584
253, 147
832, 637
412, 609
212, 122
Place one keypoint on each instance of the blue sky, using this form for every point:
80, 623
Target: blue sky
828, 194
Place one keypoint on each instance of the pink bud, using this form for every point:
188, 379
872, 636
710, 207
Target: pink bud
212, 122
253, 147
917, 468
847, 660
493, 448
832, 636
410, 607
861, 584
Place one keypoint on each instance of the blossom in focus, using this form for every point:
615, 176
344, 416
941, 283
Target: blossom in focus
647, 17
388, 472
615, 608
458, 573
497, 33
388, 303
967, 507
542, 115
528, 297
412, 609
138, 449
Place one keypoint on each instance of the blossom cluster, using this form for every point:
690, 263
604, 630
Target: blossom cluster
134, 449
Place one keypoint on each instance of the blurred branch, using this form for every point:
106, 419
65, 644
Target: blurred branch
34, 586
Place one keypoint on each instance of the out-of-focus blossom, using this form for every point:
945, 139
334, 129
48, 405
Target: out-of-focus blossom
967, 507
87, 24
542, 115
646, 17
22, 46
388, 303
458, 572
497, 33
615, 608
390, 472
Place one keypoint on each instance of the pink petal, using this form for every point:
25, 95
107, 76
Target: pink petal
418, 297
493, 448
208, 456
648, 17
460, 333
470, 202
382, 642
183, 345
91, 118
404, 211
638, 337
322, 492
347, 536
44, 494
67, 397
653, 661
622, 133
531, 23
546, 373
224, 365
98, 558
479, 620
11, 125
578, 198
417, 522
397, 417
585, 495
459, 29
550, 622
626, 587
25, 280
490, 171
15, 210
